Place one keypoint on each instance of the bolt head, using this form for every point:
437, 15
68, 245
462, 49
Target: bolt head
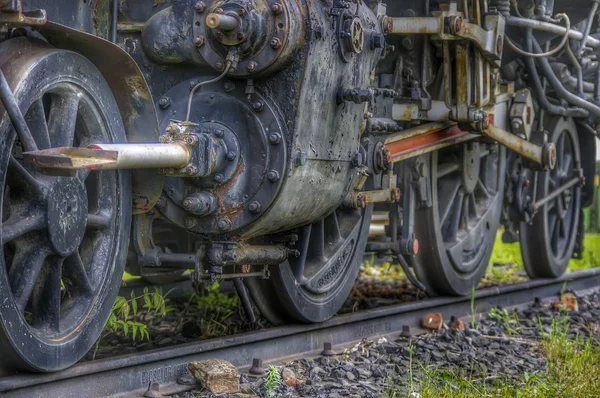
164, 102
241, 12
200, 7
277, 8
218, 178
219, 65
191, 170
198, 41
219, 133
275, 138
252, 66
241, 35
231, 156
224, 224
228, 87
275, 43
258, 106
499, 45
254, 207
361, 201
273, 176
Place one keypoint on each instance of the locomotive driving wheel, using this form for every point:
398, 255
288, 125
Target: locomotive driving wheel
547, 244
64, 239
456, 233
314, 286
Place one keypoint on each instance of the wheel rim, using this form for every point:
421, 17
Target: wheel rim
465, 192
559, 213
548, 243
57, 231
456, 234
64, 239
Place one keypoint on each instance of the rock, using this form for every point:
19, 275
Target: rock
350, 376
433, 322
216, 375
457, 325
364, 373
289, 377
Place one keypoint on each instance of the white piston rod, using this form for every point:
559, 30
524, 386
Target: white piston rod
145, 156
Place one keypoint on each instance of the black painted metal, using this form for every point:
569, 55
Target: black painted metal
132, 374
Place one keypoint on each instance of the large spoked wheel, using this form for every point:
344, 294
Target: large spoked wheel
456, 234
314, 286
547, 244
64, 239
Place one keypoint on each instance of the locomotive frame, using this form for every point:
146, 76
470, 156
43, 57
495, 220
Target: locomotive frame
252, 140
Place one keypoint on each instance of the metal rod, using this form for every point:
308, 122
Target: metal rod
243, 295
519, 145
146, 156
588, 27
224, 22
15, 115
115, 16
416, 25
556, 193
551, 28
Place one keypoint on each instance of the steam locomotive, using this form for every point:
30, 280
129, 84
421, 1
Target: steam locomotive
252, 140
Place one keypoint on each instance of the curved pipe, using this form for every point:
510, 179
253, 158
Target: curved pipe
551, 28
557, 85
539, 88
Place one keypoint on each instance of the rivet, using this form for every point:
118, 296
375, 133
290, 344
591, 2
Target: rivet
275, 138
258, 106
252, 66
273, 176
231, 156
200, 6
218, 178
275, 43
164, 102
199, 41
224, 224
219, 133
254, 207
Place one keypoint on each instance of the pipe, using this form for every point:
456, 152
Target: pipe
15, 115
226, 23
114, 22
588, 27
551, 28
539, 88
557, 85
144, 156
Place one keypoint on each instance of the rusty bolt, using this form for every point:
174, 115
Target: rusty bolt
219, 36
191, 170
228, 86
241, 35
171, 129
252, 66
241, 12
277, 8
190, 222
258, 106
361, 201
275, 138
224, 224
199, 41
499, 45
273, 176
218, 178
191, 140
200, 6
164, 102
275, 43
219, 11
219, 65
231, 156
219, 133
457, 24
254, 207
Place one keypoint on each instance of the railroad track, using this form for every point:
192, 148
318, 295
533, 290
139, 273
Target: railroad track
130, 375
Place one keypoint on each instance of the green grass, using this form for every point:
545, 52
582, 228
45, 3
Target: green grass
572, 370
510, 253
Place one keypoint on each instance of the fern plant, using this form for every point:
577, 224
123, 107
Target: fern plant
273, 380
124, 316
215, 307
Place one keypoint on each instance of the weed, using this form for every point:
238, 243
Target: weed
473, 314
272, 380
510, 320
123, 317
215, 307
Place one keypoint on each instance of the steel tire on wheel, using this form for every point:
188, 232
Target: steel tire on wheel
64, 239
467, 184
332, 251
547, 244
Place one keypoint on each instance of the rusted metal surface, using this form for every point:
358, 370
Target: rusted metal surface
131, 93
11, 12
545, 156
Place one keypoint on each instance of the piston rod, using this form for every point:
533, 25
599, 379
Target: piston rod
226, 23
544, 155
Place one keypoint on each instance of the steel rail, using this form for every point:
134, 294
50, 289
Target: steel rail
130, 375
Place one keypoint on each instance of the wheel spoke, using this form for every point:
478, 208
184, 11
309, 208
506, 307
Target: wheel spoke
567, 163
481, 188
46, 297
464, 217
24, 272
560, 151
100, 220
473, 205
316, 251
451, 186
75, 276
332, 229
453, 226
19, 175
36, 120
298, 264
62, 119
447, 168
17, 226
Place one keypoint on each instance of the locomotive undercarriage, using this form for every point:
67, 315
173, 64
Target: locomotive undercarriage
272, 142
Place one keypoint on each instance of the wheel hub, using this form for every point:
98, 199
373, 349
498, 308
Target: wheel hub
67, 215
